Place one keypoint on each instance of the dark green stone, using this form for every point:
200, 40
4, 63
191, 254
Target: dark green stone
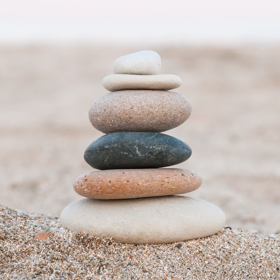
136, 150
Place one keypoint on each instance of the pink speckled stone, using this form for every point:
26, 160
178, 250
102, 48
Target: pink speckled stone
139, 110
134, 183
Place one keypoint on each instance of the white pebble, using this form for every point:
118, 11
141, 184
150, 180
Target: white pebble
147, 220
139, 63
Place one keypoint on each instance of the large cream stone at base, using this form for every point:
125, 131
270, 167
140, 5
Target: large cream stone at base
146, 220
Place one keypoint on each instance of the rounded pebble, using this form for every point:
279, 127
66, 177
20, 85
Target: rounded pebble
145, 220
135, 183
139, 63
117, 82
42, 235
122, 150
139, 110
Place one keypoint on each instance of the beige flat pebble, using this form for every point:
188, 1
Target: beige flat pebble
135, 183
144, 220
139, 63
117, 82
139, 110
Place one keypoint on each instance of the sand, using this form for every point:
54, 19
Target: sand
38, 247
45, 94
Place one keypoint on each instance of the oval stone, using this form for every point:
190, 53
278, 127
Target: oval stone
116, 82
122, 150
135, 183
139, 63
144, 220
139, 110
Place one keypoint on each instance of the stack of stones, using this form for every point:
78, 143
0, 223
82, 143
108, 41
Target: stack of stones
133, 198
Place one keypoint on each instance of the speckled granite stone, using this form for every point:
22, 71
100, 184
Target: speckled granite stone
144, 220
139, 110
139, 63
116, 82
134, 183
122, 150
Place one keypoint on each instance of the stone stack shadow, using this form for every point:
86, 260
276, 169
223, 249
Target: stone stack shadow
133, 198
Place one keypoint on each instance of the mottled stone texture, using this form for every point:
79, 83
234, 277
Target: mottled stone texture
139, 63
122, 150
158, 82
144, 220
134, 183
139, 110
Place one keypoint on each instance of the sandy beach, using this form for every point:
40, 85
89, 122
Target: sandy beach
234, 133
38, 247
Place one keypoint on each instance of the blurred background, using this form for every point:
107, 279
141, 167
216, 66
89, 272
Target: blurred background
54, 55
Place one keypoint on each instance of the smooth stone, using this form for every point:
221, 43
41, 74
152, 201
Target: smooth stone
135, 183
121, 150
139, 110
139, 63
145, 220
117, 82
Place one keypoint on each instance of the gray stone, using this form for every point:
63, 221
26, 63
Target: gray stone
139, 110
121, 150
144, 220
139, 63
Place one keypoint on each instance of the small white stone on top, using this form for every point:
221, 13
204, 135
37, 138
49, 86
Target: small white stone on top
138, 63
